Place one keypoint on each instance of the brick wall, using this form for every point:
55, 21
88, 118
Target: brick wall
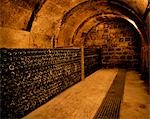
119, 43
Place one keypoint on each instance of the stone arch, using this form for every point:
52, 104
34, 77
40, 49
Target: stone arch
101, 18
71, 24
118, 40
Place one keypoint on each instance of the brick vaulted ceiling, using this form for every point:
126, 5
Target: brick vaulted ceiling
46, 16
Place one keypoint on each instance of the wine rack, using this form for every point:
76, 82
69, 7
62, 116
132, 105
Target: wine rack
92, 60
31, 77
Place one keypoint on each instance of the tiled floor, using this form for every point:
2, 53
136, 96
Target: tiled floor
82, 100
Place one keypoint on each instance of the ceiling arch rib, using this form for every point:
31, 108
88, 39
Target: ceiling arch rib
72, 11
74, 18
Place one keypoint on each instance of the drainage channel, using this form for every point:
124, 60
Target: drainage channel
110, 107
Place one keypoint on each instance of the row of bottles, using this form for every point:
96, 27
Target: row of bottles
31, 77
92, 60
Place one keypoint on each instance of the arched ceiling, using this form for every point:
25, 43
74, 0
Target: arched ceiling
77, 17
45, 17
16, 13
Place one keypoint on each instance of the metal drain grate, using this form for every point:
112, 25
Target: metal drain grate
110, 107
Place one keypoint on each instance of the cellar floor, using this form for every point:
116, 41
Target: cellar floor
82, 100
136, 101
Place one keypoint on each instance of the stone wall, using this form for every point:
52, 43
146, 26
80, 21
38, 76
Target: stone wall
15, 14
11, 38
119, 43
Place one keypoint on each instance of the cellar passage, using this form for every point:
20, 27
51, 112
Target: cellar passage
49, 46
